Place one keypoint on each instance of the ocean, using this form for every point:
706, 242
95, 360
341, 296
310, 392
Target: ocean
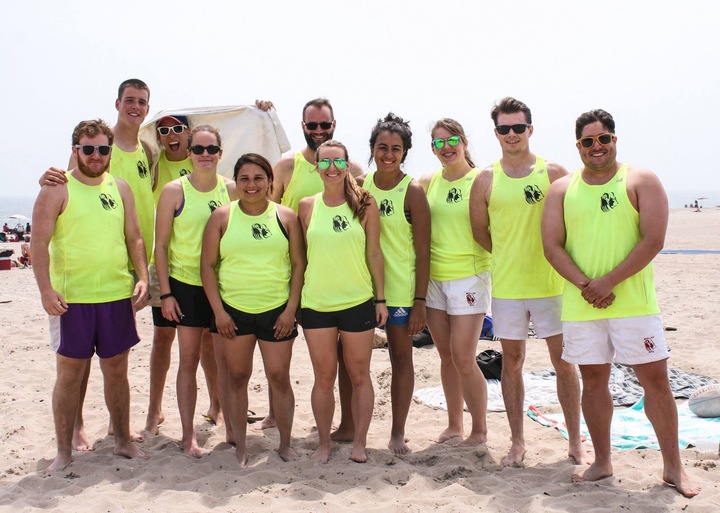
23, 205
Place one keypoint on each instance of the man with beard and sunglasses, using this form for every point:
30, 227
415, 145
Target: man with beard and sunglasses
506, 207
601, 228
85, 234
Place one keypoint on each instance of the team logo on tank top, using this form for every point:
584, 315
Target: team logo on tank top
340, 223
608, 201
108, 203
260, 231
386, 208
213, 205
454, 195
184, 172
533, 194
142, 169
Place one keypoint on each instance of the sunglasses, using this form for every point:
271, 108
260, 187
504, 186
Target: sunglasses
89, 149
198, 150
588, 142
453, 141
165, 130
324, 164
312, 125
505, 129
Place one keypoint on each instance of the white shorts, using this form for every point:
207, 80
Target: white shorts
464, 296
511, 317
630, 340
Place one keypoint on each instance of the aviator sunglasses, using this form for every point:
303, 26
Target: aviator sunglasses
518, 129
89, 149
165, 130
312, 125
198, 150
453, 141
587, 142
324, 164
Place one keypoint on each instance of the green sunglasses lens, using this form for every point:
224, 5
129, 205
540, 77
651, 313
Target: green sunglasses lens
323, 164
340, 163
439, 143
453, 140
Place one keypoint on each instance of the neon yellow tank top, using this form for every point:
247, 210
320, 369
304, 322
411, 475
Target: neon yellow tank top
454, 254
169, 170
396, 241
188, 227
88, 254
254, 264
519, 267
602, 228
305, 181
133, 168
337, 276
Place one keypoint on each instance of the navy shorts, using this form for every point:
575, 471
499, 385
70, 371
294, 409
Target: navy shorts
193, 303
105, 329
354, 319
260, 325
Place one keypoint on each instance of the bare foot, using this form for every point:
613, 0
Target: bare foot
322, 454
398, 444
129, 450
152, 423
266, 423
449, 434
214, 416
593, 473
515, 456
581, 456
191, 449
59, 463
242, 456
681, 482
358, 454
80, 440
474, 439
134, 437
343, 434
288, 454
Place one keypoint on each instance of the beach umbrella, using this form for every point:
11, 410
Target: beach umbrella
20, 217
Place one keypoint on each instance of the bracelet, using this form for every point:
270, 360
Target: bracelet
165, 296
380, 301
419, 299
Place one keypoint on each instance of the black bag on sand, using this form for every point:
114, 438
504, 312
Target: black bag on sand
490, 363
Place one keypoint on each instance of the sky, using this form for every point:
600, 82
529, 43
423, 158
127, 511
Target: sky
653, 64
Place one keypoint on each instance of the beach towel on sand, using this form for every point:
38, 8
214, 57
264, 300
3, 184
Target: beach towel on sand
243, 129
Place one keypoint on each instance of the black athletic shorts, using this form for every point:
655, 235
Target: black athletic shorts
354, 319
260, 325
193, 303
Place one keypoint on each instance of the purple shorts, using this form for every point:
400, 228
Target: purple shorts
107, 329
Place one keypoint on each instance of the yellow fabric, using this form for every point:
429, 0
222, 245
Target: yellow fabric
454, 253
337, 276
188, 227
396, 241
169, 170
519, 267
305, 181
88, 253
134, 169
602, 229
254, 263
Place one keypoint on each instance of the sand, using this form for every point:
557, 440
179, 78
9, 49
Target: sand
433, 478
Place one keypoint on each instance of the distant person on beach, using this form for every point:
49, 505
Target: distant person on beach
24, 257
459, 290
601, 227
6, 228
506, 206
90, 294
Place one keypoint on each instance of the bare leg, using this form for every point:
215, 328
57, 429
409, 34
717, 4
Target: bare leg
597, 406
439, 324
357, 351
322, 345
661, 410
513, 390
276, 359
66, 402
208, 361
160, 356
189, 340
346, 430
402, 385
117, 398
568, 391
80, 440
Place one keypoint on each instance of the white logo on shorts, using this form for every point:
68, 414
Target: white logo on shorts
400, 312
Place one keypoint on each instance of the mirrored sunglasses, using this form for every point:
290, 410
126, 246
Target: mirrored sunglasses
452, 141
324, 164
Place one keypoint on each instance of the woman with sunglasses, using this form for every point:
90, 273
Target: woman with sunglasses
182, 213
405, 243
459, 289
252, 266
344, 264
